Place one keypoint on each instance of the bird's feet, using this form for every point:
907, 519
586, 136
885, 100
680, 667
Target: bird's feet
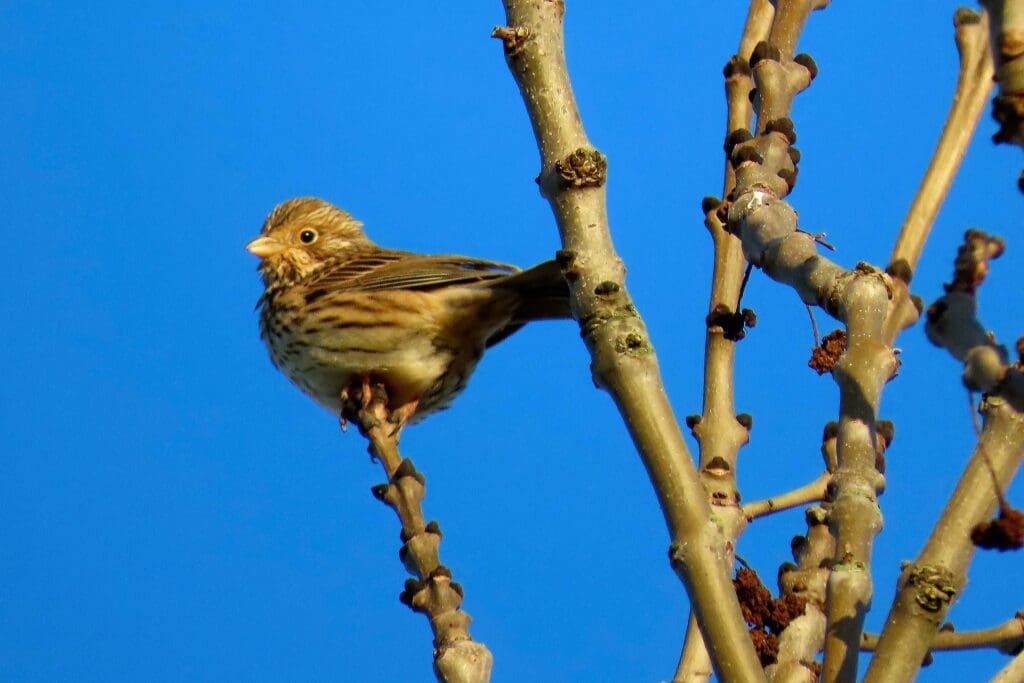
357, 401
366, 405
400, 416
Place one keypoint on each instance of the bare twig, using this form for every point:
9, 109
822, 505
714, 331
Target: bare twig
719, 435
810, 492
457, 657
788, 24
694, 662
972, 89
1007, 637
952, 320
814, 326
928, 586
1007, 25
739, 82
801, 640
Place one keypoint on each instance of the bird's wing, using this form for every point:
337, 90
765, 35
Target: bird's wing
386, 269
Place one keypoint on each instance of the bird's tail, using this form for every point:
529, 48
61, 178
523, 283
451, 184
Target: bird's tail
545, 292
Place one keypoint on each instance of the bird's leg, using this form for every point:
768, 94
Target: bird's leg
400, 415
366, 404
348, 407
366, 397
355, 399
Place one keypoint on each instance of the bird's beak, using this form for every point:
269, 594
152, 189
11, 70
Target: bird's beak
264, 247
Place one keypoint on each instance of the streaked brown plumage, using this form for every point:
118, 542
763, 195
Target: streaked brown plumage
339, 310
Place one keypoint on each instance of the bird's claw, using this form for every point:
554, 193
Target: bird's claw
401, 415
366, 405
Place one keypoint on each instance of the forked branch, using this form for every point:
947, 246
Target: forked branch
928, 586
766, 165
572, 178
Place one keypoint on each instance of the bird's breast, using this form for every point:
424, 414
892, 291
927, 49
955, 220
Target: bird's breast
417, 344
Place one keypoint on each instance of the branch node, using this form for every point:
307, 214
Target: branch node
732, 324
583, 168
380, 492
765, 50
513, 38
633, 344
901, 270
709, 203
738, 136
807, 62
816, 515
934, 587
965, 16
736, 66
782, 125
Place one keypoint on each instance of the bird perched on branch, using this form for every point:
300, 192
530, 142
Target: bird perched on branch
339, 312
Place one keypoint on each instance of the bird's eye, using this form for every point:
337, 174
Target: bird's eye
307, 236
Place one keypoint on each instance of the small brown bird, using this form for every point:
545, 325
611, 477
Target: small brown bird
338, 310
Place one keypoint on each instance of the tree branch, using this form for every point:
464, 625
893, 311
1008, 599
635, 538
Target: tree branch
973, 86
457, 657
694, 662
1013, 672
928, 586
802, 638
1007, 637
810, 492
572, 178
719, 434
861, 298
1007, 39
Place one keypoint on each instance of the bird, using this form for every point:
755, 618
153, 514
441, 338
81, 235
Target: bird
338, 311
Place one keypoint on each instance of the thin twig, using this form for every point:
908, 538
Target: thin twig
1005, 637
720, 436
801, 640
814, 326
972, 89
743, 285
810, 492
457, 657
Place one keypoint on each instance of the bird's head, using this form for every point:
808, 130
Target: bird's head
302, 234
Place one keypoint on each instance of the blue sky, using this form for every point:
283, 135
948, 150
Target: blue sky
174, 510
